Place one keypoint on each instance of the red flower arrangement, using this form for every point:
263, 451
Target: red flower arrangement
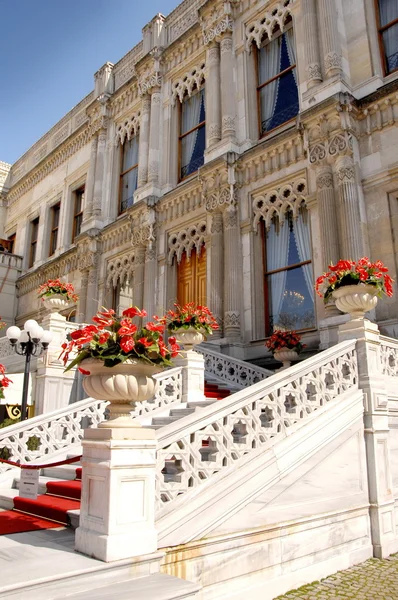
115, 340
4, 381
190, 315
56, 286
349, 272
284, 339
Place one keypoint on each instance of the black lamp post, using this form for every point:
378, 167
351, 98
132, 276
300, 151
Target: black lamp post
32, 341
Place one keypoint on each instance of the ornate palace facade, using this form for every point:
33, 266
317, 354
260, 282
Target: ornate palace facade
227, 158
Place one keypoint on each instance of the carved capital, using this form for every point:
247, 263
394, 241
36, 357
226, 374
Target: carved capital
214, 27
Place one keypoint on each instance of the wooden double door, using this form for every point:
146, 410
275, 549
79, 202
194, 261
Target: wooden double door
191, 278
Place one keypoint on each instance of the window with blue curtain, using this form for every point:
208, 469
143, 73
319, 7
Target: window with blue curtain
192, 133
289, 279
129, 173
277, 82
388, 34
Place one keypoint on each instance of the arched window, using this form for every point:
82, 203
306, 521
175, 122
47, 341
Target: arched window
289, 280
277, 81
387, 16
192, 138
128, 173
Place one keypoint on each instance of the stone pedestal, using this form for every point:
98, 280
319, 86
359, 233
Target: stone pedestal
53, 385
192, 375
377, 438
329, 328
117, 515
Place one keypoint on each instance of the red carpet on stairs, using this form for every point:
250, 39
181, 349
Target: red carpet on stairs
213, 391
47, 511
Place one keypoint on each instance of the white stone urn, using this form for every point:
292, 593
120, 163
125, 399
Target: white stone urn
122, 385
56, 302
189, 338
356, 300
285, 356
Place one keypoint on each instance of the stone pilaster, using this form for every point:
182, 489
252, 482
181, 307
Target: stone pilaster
330, 37
213, 99
327, 216
92, 292
139, 266
377, 433
232, 270
351, 243
154, 138
144, 140
99, 174
228, 110
314, 71
150, 277
82, 305
217, 270
89, 188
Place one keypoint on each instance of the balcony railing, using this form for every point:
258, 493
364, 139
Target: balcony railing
12, 261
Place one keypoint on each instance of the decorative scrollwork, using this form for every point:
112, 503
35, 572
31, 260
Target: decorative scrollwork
129, 128
190, 81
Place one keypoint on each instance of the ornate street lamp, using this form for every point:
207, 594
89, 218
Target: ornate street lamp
31, 341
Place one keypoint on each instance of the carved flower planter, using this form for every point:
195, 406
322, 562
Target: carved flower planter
356, 300
189, 338
56, 302
122, 385
286, 357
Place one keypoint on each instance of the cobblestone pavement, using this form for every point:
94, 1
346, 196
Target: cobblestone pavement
372, 580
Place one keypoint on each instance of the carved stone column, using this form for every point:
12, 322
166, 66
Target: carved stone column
150, 277
327, 216
314, 72
228, 123
144, 140
330, 37
89, 188
232, 270
99, 174
139, 265
213, 99
153, 167
82, 305
217, 270
92, 292
349, 218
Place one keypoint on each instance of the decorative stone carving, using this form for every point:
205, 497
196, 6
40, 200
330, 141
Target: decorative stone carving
324, 180
338, 144
215, 24
271, 20
125, 74
128, 128
194, 78
143, 229
276, 202
120, 269
184, 241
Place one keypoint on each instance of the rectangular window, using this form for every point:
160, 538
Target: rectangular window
34, 229
192, 139
129, 173
77, 212
277, 82
55, 210
388, 34
289, 281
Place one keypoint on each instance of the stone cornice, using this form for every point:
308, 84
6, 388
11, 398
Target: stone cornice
53, 161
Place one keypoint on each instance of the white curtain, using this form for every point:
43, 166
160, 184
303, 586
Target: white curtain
269, 66
130, 158
303, 242
388, 13
190, 118
277, 257
291, 49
